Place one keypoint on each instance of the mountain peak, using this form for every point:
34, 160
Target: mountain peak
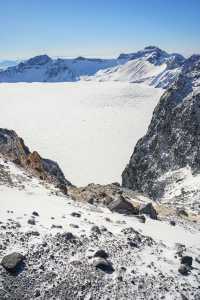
39, 60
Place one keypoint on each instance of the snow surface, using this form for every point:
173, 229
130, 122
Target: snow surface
19, 203
89, 128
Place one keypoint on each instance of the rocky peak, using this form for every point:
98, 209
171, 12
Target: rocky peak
39, 60
172, 140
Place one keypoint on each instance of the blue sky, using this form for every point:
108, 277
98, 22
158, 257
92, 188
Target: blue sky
97, 27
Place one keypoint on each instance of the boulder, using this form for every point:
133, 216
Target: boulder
101, 253
149, 210
187, 260
104, 265
122, 206
12, 262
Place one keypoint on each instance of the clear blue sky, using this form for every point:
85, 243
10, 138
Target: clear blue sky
97, 27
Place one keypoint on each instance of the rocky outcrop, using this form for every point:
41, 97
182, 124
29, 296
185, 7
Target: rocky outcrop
12, 147
173, 137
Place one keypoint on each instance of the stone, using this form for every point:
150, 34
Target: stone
12, 262
75, 214
31, 221
95, 229
187, 260
122, 206
104, 265
101, 253
173, 223
149, 210
35, 213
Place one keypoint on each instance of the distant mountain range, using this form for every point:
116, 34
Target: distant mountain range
151, 65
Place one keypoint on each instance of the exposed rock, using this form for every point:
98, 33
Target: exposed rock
35, 213
173, 223
187, 260
122, 206
75, 214
172, 139
104, 265
31, 221
182, 212
149, 210
12, 262
12, 147
101, 253
95, 229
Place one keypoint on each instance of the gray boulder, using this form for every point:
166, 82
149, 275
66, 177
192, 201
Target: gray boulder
104, 265
122, 206
12, 262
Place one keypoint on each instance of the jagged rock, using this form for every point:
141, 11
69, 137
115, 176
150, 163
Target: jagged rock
12, 147
12, 262
122, 206
187, 260
172, 139
149, 210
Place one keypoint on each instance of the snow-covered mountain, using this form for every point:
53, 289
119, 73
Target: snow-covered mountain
45, 69
152, 66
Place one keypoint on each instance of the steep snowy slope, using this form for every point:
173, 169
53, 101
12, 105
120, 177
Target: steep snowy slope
152, 66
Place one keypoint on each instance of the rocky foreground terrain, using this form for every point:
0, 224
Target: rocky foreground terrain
95, 242
135, 241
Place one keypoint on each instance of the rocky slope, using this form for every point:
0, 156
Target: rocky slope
53, 247
12, 147
152, 66
172, 139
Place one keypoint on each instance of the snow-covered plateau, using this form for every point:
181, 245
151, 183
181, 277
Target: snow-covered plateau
90, 128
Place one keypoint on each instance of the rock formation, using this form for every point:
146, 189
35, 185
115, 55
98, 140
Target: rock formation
173, 137
12, 147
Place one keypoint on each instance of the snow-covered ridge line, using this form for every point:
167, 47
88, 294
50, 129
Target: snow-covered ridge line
151, 65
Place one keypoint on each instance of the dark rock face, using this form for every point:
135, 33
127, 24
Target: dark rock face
187, 260
12, 147
149, 210
12, 262
121, 205
173, 137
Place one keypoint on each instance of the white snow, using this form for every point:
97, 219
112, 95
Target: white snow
89, 128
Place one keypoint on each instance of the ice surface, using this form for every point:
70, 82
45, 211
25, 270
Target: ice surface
89, 128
